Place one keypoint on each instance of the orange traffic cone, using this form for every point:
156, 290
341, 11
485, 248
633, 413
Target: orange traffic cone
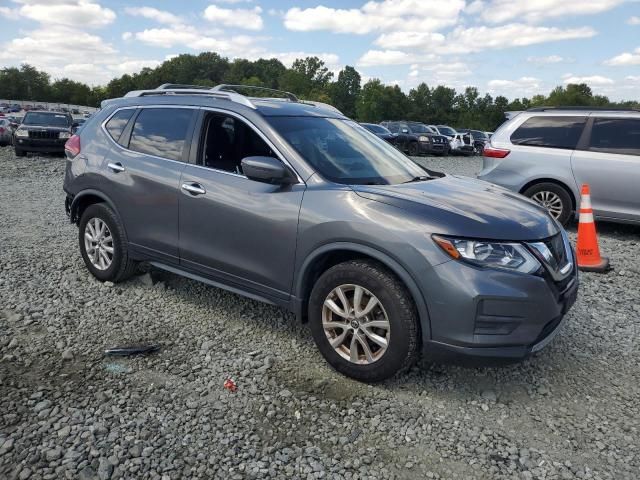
589, 259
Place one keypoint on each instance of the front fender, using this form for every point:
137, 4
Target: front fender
392, 264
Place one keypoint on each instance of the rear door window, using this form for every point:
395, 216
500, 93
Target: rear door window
616, 135
161, 132
116, 124
550, 132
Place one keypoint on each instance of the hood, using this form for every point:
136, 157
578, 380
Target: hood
467, 207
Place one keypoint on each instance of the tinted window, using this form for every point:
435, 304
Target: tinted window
227, 140
161, 132
344, 152
616, 135
375, 128
393, 127
444, 130
552, 132
116, 124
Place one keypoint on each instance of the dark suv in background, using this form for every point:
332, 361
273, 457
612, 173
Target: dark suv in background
42, 131
291, 203
416, 138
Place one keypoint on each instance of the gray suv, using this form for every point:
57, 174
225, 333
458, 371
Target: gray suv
548, 153
291, 203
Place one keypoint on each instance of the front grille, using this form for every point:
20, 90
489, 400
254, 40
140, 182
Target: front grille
43, 134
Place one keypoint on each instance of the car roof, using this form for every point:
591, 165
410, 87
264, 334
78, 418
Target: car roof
167, 94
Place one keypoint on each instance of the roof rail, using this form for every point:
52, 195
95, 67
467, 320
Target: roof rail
178, 86
173, 89
225, 87
583, 109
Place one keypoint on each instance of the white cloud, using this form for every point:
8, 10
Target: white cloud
634, 21
160, 16
191, 38
625, 59
499, 11
476, 39
523, 86
49, 49
385, 15
405, 39
238, 18
80, 13
475, 7
127, 36
547, 60
385, 57
463, 41
10, 13
589, 80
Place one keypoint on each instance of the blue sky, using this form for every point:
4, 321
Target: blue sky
509, 47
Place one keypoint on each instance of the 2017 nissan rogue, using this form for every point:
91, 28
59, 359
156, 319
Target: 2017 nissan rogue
292, 203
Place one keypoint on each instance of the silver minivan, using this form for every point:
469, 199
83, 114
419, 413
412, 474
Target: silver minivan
548, 153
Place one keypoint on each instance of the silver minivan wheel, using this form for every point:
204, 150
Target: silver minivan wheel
356, 324
98, 243
549, 200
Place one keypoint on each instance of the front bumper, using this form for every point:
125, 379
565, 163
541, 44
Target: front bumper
491, 313
432, 148
40, 145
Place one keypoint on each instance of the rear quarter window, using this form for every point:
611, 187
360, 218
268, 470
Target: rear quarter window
615, 135
117, 123
550, 132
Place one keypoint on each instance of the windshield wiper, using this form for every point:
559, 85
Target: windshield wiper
421, 178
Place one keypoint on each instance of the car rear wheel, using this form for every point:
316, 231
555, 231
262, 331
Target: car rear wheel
103, 244
364, 321
554, 198
20, 153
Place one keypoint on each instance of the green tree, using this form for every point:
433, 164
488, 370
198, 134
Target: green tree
344, 91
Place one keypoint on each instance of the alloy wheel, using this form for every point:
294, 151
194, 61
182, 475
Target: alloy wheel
98, 243
356, 324
549, 200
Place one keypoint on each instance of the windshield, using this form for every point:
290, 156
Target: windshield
478, 134
344, 152
50, 119
375, 128
447, 131
419, 128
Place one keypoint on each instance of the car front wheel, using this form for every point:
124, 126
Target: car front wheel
554, 198
364, 321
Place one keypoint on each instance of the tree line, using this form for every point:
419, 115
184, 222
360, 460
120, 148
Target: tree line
310, 79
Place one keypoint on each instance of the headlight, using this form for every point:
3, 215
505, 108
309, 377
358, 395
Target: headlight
22, 133
422, 138
64, 135
502, 255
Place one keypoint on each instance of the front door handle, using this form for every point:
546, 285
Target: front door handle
194, 188
116, 167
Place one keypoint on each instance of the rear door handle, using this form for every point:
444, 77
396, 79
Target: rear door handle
194, 188
116, 167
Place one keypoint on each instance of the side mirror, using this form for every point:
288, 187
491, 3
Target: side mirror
267, 170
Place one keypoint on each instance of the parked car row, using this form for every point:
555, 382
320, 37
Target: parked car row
415, 138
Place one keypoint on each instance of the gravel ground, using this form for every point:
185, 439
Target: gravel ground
66, 411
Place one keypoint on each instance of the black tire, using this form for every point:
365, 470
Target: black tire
560, 192
20, 153
413, 149
404, 332
122, 267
